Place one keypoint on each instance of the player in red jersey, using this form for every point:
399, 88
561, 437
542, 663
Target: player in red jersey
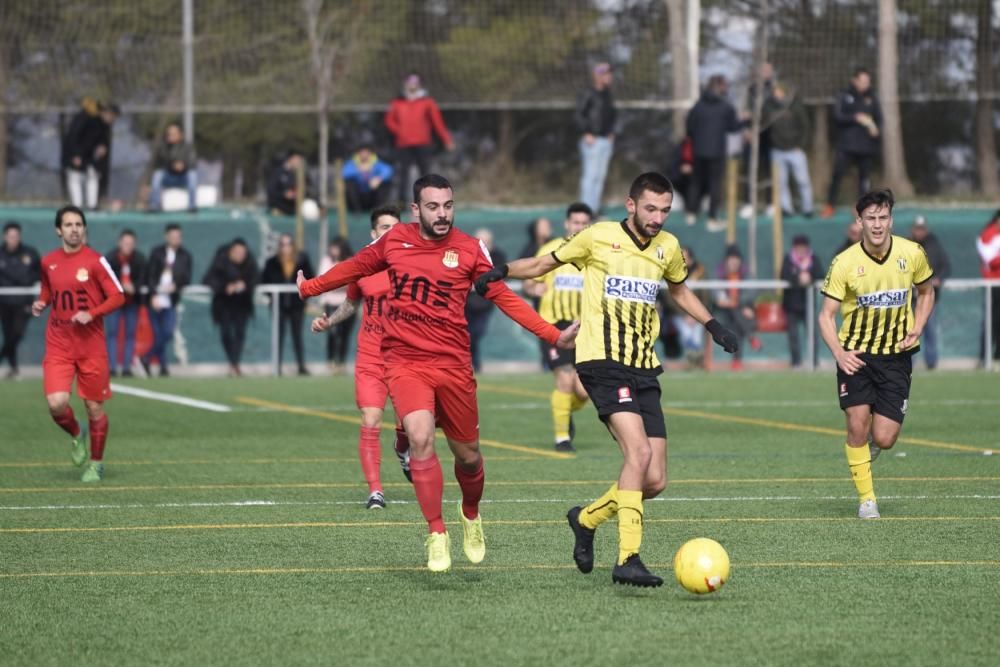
81, 288
370, 387
431, 267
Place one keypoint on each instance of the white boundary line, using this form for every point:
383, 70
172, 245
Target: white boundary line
169, 398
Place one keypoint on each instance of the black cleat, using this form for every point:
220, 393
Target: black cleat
633, 573
565, 446
583, 548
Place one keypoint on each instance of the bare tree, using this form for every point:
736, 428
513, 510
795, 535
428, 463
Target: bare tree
893, 157
986, 146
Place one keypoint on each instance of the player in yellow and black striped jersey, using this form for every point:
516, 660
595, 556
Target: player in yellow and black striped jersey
623, 264
871, 285
561, 292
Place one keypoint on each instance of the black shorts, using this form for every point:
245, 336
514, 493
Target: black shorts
883, 383
619, 390
556, 356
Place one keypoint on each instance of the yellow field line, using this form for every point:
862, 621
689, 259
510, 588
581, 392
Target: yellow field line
383, 569
752, 421
499, 522
248, 461
322, 414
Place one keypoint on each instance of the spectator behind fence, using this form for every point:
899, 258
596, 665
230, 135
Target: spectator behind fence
412, 119
232, 278
679, 171
732, 305
130, 266
477, 308
102, 154
941, 266
858, 116
852, 234
788, 120
801, 268
764, 144
595, 119
82, 147
281, 269
708, 123
690, 333
282, 184
367, 180
988, 245
338, 337
169, 271
175, 165
19, 267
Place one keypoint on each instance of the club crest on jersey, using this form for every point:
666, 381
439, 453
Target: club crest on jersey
901, 263
624, 395
861, 270
82, 275
450, 258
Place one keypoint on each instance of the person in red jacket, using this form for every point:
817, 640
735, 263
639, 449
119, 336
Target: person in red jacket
411, 119
988, 245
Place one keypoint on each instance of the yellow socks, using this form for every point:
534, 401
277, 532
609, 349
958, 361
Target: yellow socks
576, 403
860, 461
629, 523
602, 509
561, 406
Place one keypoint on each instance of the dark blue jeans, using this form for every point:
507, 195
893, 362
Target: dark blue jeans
163, 323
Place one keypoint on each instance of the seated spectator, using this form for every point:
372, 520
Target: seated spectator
367, 179
282, 184
281, 269
130, 266
232, 277
175, 166
732, 305
801, 268
81, 150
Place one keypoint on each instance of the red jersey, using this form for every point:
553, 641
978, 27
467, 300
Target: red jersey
429, 283
72, 282
375, 291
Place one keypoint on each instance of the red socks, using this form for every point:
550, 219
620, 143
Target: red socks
67, 422
472, 489
98, 435
370, 453
428, 485
402, 443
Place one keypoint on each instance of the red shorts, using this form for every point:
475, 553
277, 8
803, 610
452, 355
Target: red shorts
449, 394
93, 376
370, 388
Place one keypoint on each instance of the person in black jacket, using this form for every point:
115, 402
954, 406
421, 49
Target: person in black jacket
102, 154
595, 118
232, 278
81, 149
169, 271
801, 268
280, 269
282, 184
478, 309
941, 266
129, 266
708, 123
19, 267
859, 122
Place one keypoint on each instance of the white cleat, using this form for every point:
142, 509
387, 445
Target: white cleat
868, 510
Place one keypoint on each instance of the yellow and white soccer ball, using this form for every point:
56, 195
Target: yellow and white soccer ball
701, 565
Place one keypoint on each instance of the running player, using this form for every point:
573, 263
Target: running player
431, 267
561, 292
871, 283
623, 265
81, 288
370, 388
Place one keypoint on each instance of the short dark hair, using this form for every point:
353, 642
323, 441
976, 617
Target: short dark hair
127, 232
69, 209
861, 70
171, 227
800, 239
877, 198
11, 225
652, 181
579, 207
385, 210
436, 181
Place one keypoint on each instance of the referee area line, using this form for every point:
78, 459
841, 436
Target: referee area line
385, 569
323, 414
764, 423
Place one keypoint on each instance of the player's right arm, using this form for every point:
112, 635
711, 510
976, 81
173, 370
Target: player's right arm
370, 260
39, 305
575, 251
834, 291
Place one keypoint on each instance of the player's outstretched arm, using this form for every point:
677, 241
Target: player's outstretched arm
692, 305
925, 304
529, 267
518, 310
370, 260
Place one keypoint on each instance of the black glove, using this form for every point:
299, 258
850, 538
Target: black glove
723, 336
483, 282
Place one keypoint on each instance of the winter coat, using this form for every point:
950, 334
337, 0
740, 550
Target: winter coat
411, 121
361, 173
167, 154
793, 299
20, 268
85, 134
595, 112
137, 273
854, 137
273, 275
222, 272
788, 123
182, 271
279, 180
708, 123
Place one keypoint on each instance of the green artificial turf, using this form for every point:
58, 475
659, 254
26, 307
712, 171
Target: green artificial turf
241, 537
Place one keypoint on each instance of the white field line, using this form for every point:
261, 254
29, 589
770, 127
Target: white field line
510, 501
169, 398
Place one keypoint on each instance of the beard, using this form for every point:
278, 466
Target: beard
428, 226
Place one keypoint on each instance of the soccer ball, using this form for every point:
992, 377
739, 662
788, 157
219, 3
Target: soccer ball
701, 565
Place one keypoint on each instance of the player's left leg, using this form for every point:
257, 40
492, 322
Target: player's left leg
57, 381
370, 392
94, 387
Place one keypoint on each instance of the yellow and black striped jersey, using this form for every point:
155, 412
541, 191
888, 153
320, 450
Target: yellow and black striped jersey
875, 295
563, 297
621, 278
